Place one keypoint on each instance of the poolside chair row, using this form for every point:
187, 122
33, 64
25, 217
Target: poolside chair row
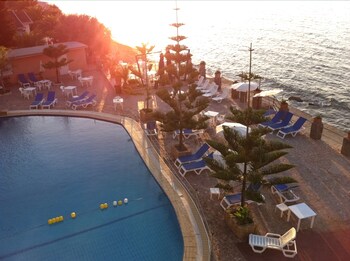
81, 101
187, 133
282, 123
194, 162
39, 101
23, 81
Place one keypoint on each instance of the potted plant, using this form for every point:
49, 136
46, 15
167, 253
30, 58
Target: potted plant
284, 105
318, 118
240, 222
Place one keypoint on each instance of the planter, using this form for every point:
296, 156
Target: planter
146, 116
241, 231
345, 149
316, 129
175, 153
284, 106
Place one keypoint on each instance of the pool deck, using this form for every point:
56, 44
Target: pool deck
322, 172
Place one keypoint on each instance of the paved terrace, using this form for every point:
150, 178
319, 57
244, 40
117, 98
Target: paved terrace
322, 172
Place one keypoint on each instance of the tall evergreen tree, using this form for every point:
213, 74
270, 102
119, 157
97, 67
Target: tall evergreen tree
56, 52
253, 151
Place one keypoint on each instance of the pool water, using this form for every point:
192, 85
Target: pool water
53, 166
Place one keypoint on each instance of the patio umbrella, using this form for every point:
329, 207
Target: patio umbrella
268, 93
244, 86
242, 129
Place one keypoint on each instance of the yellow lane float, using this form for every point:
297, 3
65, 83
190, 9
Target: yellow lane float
73, 215
55, 220
120, 202
103, 206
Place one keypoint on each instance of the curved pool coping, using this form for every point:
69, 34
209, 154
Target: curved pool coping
194, 233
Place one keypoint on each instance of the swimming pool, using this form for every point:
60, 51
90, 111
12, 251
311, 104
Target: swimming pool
53, 166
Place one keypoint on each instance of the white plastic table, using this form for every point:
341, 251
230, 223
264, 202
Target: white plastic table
212, 115
86, 80
302, 211
70, 90
118, 101
30, 90
214, 191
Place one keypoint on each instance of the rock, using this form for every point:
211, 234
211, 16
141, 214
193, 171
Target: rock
295, 98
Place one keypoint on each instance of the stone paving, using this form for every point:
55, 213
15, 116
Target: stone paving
322, 172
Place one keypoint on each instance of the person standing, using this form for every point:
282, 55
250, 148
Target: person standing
217, 80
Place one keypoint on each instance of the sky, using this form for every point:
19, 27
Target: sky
130, 22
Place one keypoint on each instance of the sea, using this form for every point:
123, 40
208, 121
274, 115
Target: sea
301, 47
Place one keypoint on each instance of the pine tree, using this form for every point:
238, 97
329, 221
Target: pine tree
253, 151
56, 52
186, 106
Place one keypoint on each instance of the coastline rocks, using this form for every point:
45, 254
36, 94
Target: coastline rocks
295, 98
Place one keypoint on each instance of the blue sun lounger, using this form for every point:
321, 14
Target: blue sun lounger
81, 97
285, 193
85, 103
193, 157
151, 128
23, 80
283, 124
232, 200
187, 133
196, 166
275, 119
32, 77
38, 100
293, 130
50, 101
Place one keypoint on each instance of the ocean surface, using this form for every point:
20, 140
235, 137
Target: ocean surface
301, 47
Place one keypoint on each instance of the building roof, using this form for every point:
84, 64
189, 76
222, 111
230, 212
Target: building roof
21, 18
35, 50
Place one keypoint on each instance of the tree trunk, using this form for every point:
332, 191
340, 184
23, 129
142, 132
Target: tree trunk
244, 184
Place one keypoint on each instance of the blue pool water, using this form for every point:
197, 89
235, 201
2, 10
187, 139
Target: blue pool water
52, 166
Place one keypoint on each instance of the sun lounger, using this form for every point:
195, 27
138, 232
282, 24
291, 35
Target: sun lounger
85, 103
219, 98
22, 80
283, 124
293, 130
235, 199
151, 128
38, 100
275, 119
270, 112
204, 86
50, 101
196, 166
81, 97
187, 133
200, 81
285, 243
212, 91
32, 78
208, 88
284, 192
201, 152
